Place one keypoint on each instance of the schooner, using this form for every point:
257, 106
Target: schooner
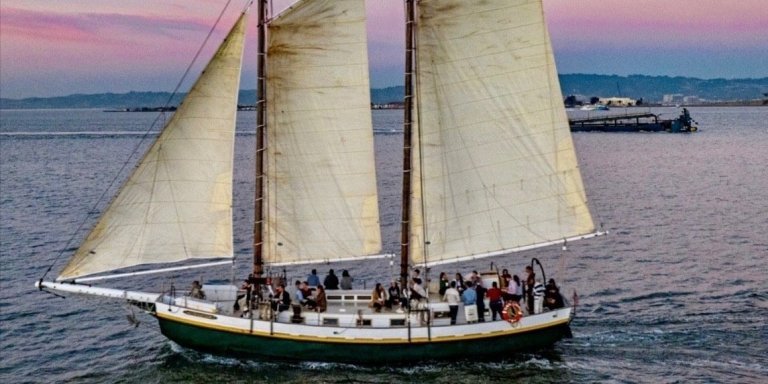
489, 169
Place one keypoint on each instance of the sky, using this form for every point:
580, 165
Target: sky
55, 48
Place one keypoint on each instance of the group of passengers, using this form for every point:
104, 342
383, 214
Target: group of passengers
470, 291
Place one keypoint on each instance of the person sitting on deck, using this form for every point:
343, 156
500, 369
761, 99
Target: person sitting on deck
282, 300
197, 291
346, 280
321, 303
417, 289
331, 281
312, 279
303, 295
394, 297
378, 298
552, 297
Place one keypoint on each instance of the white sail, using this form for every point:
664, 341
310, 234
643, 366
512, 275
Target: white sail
177, 204
321, 199
497, 171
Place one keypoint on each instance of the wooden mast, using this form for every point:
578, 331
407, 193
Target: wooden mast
261, 108
405, 234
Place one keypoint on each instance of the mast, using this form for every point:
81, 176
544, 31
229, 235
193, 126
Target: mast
258, 220
405, 234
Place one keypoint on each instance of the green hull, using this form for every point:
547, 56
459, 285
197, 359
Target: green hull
243, 345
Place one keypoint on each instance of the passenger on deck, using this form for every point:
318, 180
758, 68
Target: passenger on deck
242, 299
459, 282
346, 280
312, 279
495, 302
394, 296
538, 297
552, 297
480, 292
417, 289
530, 281
331, 281
452, 297
378, 298
515, 290
197, 291
469, 296
444, 283
505, 278
474, 277
298, 295
306, 295
321, 303
282, 300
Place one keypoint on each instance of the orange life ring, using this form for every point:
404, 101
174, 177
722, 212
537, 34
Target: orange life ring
512, 312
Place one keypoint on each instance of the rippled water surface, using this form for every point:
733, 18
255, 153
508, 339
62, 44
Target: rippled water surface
677, 293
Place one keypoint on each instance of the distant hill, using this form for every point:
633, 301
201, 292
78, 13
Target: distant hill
653, 88
650, 88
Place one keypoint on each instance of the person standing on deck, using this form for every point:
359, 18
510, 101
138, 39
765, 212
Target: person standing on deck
469, 296
459, 282
480, 292
495, 302
452, 297
444, 283
530, 281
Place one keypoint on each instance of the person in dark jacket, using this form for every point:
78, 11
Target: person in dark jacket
331, 281
552, 297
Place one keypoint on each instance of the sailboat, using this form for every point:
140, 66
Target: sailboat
489, 169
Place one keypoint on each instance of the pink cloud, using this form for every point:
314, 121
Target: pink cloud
669, 23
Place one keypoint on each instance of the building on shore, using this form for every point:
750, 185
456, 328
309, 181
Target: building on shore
618, 101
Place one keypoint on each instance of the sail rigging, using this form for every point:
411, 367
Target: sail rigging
489, 168
177, 203
495, 166
322, 203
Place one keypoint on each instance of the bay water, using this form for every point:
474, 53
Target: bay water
677, 293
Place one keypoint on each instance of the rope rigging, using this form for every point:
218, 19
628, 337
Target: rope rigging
140, 143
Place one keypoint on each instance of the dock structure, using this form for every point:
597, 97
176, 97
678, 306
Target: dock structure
634, 122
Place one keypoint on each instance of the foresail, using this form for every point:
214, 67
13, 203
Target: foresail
322, 199
177, 204
498, 171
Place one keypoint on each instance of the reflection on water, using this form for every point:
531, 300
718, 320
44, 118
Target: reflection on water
677, 292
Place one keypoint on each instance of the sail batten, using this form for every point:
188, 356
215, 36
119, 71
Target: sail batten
322, 203
177, 203
495, 168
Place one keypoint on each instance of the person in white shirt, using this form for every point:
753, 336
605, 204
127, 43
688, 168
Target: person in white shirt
452, 297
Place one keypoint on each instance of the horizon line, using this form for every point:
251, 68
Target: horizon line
397, 85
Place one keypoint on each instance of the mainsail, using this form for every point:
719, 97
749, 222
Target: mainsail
177, 204
321, 199
495, 169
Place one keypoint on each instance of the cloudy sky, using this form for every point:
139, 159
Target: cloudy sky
54, 48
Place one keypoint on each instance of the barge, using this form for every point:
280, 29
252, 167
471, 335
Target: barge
635, 122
